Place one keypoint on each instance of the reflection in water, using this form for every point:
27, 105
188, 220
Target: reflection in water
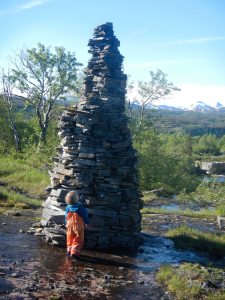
47, 271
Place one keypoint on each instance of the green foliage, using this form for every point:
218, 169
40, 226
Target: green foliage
40, 68
220, 211
206, 194
187, 238
156, 88
162, 168
6, 137
208, 144
188, 122
193, 281
43, 77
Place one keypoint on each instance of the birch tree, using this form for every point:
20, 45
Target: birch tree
43, 77
158, 87
8, 99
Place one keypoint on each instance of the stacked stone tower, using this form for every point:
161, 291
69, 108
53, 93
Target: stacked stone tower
96, 156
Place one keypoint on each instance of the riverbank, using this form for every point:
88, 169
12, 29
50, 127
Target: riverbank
32, 269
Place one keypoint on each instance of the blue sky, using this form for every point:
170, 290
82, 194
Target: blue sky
184, 38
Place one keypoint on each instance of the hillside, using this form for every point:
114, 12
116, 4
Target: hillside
192, 122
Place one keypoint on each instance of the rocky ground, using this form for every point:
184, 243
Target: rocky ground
30, 269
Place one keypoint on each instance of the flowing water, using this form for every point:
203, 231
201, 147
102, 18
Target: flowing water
30, 269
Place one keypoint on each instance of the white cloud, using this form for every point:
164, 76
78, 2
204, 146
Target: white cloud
191, 93
31, 4
192, 41
23, 6
163, 63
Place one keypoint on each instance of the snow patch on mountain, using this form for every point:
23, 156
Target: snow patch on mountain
198, 106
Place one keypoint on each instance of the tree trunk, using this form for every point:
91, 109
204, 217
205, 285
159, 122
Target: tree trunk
16, 138
43, 135
142, 113
12, 125
43, 120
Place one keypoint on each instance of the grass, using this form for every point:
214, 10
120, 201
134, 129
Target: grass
148, 197
21, 184
185, 237
203, 213
221, 210
206, 194
11, 199
17, 174
193, 281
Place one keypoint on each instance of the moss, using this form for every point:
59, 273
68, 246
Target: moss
193, 281
187, 238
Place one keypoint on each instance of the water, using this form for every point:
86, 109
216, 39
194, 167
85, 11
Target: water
42, 271
171, 207
214, 178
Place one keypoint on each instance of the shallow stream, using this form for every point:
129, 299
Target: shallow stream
30, 269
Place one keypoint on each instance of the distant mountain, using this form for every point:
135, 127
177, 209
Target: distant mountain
201, 106
198, 106
168, 107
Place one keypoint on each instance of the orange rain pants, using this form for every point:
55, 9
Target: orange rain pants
75, 233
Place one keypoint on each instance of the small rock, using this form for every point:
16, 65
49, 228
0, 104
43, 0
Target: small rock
88, 269
14, 275
3, 223
11, 213
21, 231
141, 250
36, 225
31, 230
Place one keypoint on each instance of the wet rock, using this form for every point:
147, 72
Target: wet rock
31, 230
88, 269
11, 213
221, 222
36, 225
141, 250
141, 282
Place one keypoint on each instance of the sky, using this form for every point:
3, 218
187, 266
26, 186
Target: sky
183, 38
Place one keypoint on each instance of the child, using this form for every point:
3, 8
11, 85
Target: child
76, 218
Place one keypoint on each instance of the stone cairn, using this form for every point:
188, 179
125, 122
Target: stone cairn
96, 156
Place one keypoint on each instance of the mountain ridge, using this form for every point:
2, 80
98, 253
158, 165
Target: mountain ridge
198, 106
